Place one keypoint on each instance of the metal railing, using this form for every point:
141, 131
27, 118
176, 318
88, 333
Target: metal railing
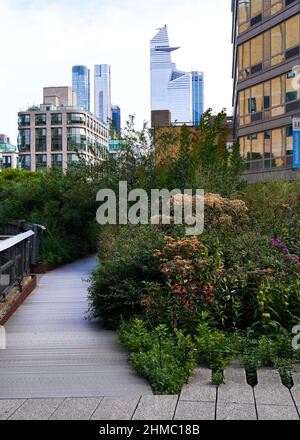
15, 261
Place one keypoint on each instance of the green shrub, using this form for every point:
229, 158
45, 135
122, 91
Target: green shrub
165, 359
117, 283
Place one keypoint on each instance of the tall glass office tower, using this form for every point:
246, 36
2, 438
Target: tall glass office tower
116, 118
81, 85
179, 92
198, 96
102, 92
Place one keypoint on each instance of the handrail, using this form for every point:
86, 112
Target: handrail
10, 242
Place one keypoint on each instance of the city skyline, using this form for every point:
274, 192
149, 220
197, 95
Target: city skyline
126, 27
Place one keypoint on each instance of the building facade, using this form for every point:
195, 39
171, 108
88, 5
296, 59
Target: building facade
266, 75
81, 85
57, 136
180, 93
116, 118
102, 92
8, 153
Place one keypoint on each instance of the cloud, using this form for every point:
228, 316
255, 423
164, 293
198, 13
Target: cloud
41, 40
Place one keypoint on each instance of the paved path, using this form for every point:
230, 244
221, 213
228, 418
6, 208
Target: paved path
199, 400
54, 352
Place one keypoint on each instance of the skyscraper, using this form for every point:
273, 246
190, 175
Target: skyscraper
179, 92
81, 85
102, 92
198, 96
116, 118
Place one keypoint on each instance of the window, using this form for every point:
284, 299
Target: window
7, 162
41, 162
24, 140
292, 35
24, 120
277, 147
40, 119
40, 139
277, 96
277, 44
76, 118
25, 162
276, 6
56, 139
76, 139
256, 50
57, 160
56, 119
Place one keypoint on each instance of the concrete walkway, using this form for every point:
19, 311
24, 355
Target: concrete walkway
54, 352
199, 400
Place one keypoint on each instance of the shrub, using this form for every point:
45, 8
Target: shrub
166, 360
117, 283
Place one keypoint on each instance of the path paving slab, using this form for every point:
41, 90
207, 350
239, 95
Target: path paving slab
113, 408
199, 388
195, 410
76, 409
36, 409
236, 388
236, 411
156, 408
8, 407
277, 412
270, 391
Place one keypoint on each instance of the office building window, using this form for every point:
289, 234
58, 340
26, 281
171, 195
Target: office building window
41, 162
252, 12
56, 139
25, 162
77, 139
24, 140
40, 119
76, 118
40, 139
24, 120
56, 119
57, 160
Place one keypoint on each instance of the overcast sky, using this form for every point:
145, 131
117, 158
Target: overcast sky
40, 40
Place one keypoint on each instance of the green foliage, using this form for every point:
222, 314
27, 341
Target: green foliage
117, 283
63, 203
165, 359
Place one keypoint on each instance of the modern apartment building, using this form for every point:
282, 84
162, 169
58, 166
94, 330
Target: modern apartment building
102, 92
81, 85
58, 135
266, 74
116, 118
8, 153
180, 93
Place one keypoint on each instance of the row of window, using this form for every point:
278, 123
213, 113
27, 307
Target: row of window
274, 46
56, 119
41, 161
252, 12
77, 139
272, 148
269, 99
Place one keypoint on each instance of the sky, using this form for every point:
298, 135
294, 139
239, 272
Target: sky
40, 41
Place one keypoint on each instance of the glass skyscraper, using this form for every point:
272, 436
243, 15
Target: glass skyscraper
198, 96
81, 85
102, 92
116, 118
179, 92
